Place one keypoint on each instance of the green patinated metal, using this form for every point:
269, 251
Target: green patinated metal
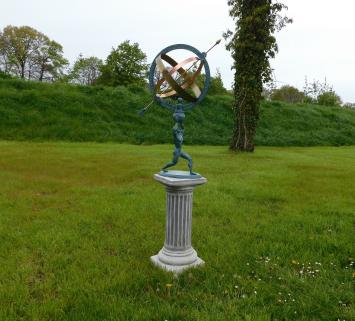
178, 134
175, 88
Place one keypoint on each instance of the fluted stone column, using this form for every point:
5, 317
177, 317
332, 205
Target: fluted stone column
177, 253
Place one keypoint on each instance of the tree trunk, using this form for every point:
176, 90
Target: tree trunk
22, 71
41, 74
245, 121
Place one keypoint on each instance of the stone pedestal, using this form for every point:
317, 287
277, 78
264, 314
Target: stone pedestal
177, 253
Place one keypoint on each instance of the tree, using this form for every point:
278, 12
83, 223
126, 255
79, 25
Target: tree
329, 98
288, 94
251, 45
28, 53
216, 83
86, 71
217, 87
321, 93
49, 61
349, 105
18, 43
4, 55
124, 65
315, 88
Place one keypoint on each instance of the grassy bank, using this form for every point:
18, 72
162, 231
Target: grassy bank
42, 112
78, 223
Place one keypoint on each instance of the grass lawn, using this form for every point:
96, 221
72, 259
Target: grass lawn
79, 221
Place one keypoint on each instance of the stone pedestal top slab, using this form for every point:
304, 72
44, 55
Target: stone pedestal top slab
180, 182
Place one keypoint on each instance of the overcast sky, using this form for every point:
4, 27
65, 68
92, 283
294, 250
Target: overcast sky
320, 43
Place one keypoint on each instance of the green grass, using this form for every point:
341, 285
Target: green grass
43, 112
79, 221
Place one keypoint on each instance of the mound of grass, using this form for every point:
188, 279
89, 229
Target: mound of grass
43, 112
78, 223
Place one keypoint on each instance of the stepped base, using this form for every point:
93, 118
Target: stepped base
176, 268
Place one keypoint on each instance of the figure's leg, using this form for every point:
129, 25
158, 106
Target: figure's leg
175, 160
189, 159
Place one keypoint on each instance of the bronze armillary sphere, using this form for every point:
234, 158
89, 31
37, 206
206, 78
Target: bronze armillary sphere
170, 79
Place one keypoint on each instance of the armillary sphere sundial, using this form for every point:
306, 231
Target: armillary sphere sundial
179, 86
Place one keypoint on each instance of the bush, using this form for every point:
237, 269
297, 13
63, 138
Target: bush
288, 94
329, 98
42, 111
349, 105
4, 75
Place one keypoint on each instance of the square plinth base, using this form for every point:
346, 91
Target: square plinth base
175, 268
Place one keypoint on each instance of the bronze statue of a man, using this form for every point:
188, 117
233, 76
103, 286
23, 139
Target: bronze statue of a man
178, 134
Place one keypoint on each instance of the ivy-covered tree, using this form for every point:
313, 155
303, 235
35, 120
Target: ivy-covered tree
127, 64
252, 45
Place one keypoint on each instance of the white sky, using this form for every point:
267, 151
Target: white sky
320, 43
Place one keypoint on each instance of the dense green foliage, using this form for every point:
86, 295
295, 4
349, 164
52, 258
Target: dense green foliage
28, 53
216, 85
252, 45
41, 111
125, 65
288, 94
329, 98
321, 93
79, 222
85, 71
4, 75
